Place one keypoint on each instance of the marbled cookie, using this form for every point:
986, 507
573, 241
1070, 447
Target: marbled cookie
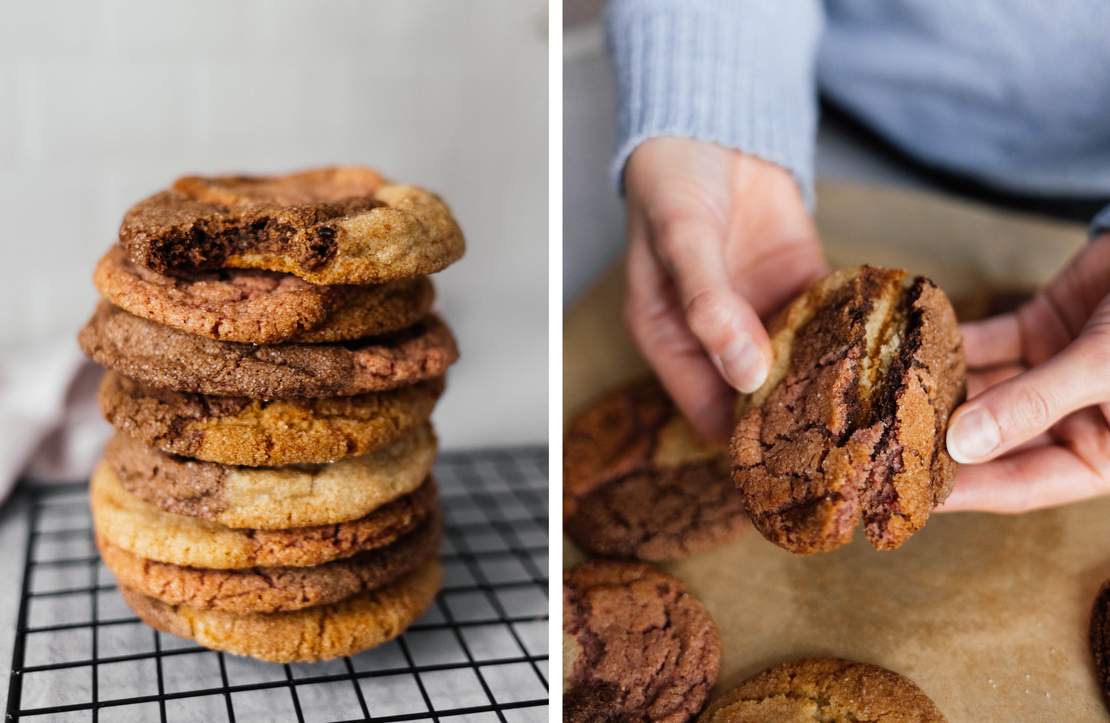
261, 307
159, 356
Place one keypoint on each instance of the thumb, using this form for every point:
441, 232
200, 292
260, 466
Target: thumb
1018, 409
725, 324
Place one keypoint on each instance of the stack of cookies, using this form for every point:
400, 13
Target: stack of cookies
273, 364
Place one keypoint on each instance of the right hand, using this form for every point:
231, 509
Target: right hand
717, 241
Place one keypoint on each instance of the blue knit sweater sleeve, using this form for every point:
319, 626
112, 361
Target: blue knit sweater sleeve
739, 73
1101, 223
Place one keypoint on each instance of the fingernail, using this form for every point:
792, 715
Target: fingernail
973, 435
743, 364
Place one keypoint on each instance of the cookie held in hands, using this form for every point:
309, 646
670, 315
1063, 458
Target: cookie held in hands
848, 430
640, 483
636, 645
824, 689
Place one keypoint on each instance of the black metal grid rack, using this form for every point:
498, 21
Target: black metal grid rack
480, 654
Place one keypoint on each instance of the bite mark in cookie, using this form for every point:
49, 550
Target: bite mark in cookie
261, 307
636, 645
159, 356
341, 225
639, 482
848, 430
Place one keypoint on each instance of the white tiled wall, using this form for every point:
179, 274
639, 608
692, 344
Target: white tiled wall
104, 101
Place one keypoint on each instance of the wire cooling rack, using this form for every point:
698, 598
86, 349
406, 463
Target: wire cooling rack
480, 654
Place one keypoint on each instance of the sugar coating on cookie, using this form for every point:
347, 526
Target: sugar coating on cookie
827, 689
265, 433
273, 498
640, 483
167, 358
149, 532
848, 430
317, 633
340, 225
261, 307
636, 645
273, 589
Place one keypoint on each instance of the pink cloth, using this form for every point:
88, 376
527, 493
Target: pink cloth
50, 425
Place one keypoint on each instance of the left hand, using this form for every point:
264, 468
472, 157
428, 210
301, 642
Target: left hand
1035, 431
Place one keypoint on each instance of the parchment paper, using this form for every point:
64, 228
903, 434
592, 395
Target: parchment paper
988, 614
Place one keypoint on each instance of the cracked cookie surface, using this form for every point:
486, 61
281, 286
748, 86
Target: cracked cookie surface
636, 645
273, 498
824, 690
848, 430
640, 483
339, 225
260, 433
317, 633
162, 357
261, 307
273, 589
147, 531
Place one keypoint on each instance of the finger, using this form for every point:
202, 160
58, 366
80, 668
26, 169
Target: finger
980, 381
1042, 477
992, 341
1018, 409
659, 330
725, 324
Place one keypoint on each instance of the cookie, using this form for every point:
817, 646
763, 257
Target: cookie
272, 498
848, 430
162, 357
257, 433
1100, 640
261, 307
341, 225
318, 633
640, 483
273, 589
636, 646
144, 530
826, 690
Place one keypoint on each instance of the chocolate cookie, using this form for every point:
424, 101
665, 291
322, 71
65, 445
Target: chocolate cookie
636, 646
257, 433
342, 225
146, 531
273, 589
1100, 640
166, 358
317, 633
848, 429
639, 482
824, 690
273, 498
261, 307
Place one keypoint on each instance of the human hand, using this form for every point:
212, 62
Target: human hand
717, 240
1036, 427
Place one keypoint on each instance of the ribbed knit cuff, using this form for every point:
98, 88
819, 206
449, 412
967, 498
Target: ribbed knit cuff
739, 73
1101, 223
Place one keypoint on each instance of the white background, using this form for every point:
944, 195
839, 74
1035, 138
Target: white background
104, 101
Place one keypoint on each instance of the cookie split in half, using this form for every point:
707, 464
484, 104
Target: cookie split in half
636, 645
341, 225
824, 690
848, 430
640, 483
